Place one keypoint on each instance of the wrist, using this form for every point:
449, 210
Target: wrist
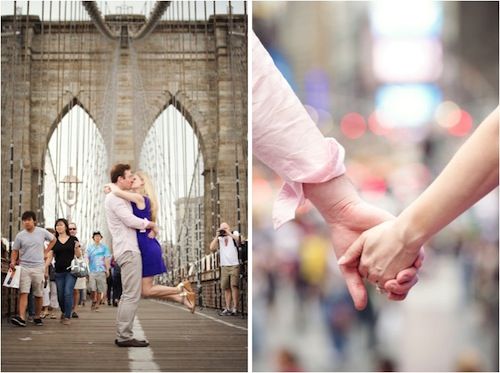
411, 229
333, 197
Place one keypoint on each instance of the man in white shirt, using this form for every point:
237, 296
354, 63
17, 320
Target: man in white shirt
122, 224
225, 241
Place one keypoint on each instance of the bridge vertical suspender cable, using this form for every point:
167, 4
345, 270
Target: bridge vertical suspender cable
187, 211
58, 106
50, 53
86, 192
24, 119
69, 94
217, 186
213, 175
79, 130
13, 66
169, 36
166, 161
198, 228
174, 148
41, 178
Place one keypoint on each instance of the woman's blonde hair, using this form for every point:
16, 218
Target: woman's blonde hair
148, 190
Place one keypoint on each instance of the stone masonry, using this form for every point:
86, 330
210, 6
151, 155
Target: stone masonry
197, 66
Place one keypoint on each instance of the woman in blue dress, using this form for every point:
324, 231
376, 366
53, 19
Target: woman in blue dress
145, 205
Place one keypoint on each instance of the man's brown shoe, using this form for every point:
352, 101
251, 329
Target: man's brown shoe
131, 343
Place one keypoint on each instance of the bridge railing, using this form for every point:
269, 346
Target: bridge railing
205, 275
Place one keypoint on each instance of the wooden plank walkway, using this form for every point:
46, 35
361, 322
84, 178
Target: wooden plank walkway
179, 341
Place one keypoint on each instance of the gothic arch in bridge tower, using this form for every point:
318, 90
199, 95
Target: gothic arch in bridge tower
60, 116
193, 116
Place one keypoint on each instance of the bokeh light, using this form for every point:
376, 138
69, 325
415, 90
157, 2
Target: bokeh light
407, 105
376, 126
353, 125
447, 114
407, 18
463, 126
407, 60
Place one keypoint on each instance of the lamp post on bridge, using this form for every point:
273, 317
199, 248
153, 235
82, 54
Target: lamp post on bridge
70, 191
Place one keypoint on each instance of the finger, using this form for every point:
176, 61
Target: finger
393, 286
420, 259
353, 253
355, 286
396, 297
406, 275
363, 270
373, 278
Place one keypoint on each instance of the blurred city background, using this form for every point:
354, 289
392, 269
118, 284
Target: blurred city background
401, 85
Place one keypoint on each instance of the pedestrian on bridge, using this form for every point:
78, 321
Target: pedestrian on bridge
79, 292
28, 248
64, 250
227, 244
99, 257
54, 304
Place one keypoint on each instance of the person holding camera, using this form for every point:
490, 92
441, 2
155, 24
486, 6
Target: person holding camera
226, 242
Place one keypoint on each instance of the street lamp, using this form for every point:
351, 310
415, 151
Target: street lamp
70, 191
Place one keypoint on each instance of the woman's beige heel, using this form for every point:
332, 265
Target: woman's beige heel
191, 298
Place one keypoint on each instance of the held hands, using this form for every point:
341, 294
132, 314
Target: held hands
151, 225
154, 232
382, 251
348, 217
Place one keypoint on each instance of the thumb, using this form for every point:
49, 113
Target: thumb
352, 254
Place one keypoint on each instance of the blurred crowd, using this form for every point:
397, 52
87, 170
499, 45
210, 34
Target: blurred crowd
303, 317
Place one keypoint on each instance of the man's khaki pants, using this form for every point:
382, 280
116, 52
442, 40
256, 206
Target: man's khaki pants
131, 272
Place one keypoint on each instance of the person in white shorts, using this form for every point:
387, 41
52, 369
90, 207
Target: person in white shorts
29, 248
99, 257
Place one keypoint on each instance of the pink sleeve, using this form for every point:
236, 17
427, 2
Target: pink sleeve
285, 137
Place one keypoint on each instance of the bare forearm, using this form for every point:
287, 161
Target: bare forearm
50, 246
214, 244
332, 195
13, 257
48, 259
469, 176
129, 196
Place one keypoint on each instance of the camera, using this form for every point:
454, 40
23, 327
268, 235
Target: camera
221, 233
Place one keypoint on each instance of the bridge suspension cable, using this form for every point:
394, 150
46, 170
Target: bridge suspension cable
82, 129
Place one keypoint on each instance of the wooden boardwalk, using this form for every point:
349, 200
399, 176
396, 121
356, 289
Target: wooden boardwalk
179, 341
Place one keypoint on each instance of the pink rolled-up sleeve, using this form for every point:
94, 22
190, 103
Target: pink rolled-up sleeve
285, 137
